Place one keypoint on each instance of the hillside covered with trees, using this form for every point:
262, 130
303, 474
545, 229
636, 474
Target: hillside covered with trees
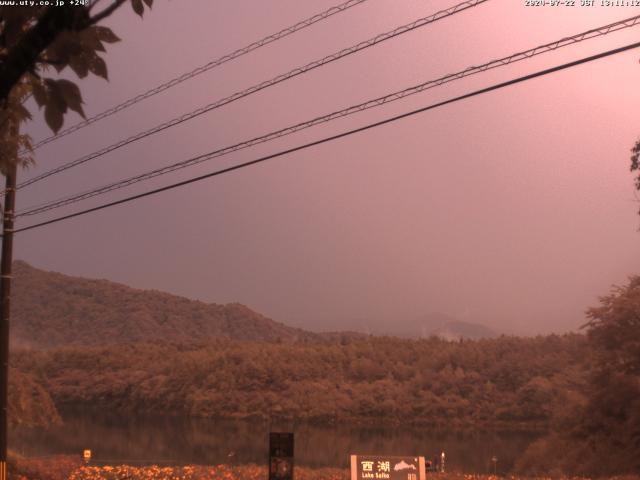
51, 309
512, 383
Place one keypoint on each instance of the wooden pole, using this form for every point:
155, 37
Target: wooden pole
5, 309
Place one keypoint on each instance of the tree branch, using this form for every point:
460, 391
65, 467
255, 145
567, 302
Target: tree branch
92, 4
54, 20
25, 53
105, 13
51, 61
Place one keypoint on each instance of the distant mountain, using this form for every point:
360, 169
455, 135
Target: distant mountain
51, 309
432, 324
456, 330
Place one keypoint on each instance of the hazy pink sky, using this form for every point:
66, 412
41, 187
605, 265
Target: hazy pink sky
515, 209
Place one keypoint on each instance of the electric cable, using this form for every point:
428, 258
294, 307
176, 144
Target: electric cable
67, 200
261, 86
498, 86
203, 68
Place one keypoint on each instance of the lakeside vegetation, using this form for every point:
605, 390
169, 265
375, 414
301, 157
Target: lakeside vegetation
70, 468
604, 435
29, 403
511, 383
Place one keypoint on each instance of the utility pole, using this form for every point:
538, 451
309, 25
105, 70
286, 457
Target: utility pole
5, 308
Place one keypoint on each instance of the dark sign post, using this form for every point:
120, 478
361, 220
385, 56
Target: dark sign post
387, 467
280, 456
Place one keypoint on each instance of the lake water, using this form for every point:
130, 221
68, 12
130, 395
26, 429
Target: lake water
136, 440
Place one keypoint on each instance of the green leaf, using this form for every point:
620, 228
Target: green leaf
55, 96
65, 46
72, 96
89, 40
80, 65
105, 34
137, 6
98, 67
22, 113
39, 93
53, 116
58, 67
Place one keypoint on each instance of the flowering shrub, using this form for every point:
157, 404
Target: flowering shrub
59, 467
251, 472
70, 468
218, 472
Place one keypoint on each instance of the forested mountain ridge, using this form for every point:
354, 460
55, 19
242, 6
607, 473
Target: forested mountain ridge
134, 350
51, 309
514, 383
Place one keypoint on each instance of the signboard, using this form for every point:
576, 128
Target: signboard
386, 467
280, 456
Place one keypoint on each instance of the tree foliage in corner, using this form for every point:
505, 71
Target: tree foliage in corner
603, 437
635, 163
35, 41
613, 412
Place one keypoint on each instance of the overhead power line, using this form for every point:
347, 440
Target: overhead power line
204, 68
421, 22
629, 22
340, 135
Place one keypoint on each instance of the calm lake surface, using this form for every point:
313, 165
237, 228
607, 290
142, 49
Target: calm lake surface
138, 440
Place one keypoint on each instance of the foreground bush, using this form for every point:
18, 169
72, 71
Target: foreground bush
191, 472
60, 467
70, 468
245, 472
